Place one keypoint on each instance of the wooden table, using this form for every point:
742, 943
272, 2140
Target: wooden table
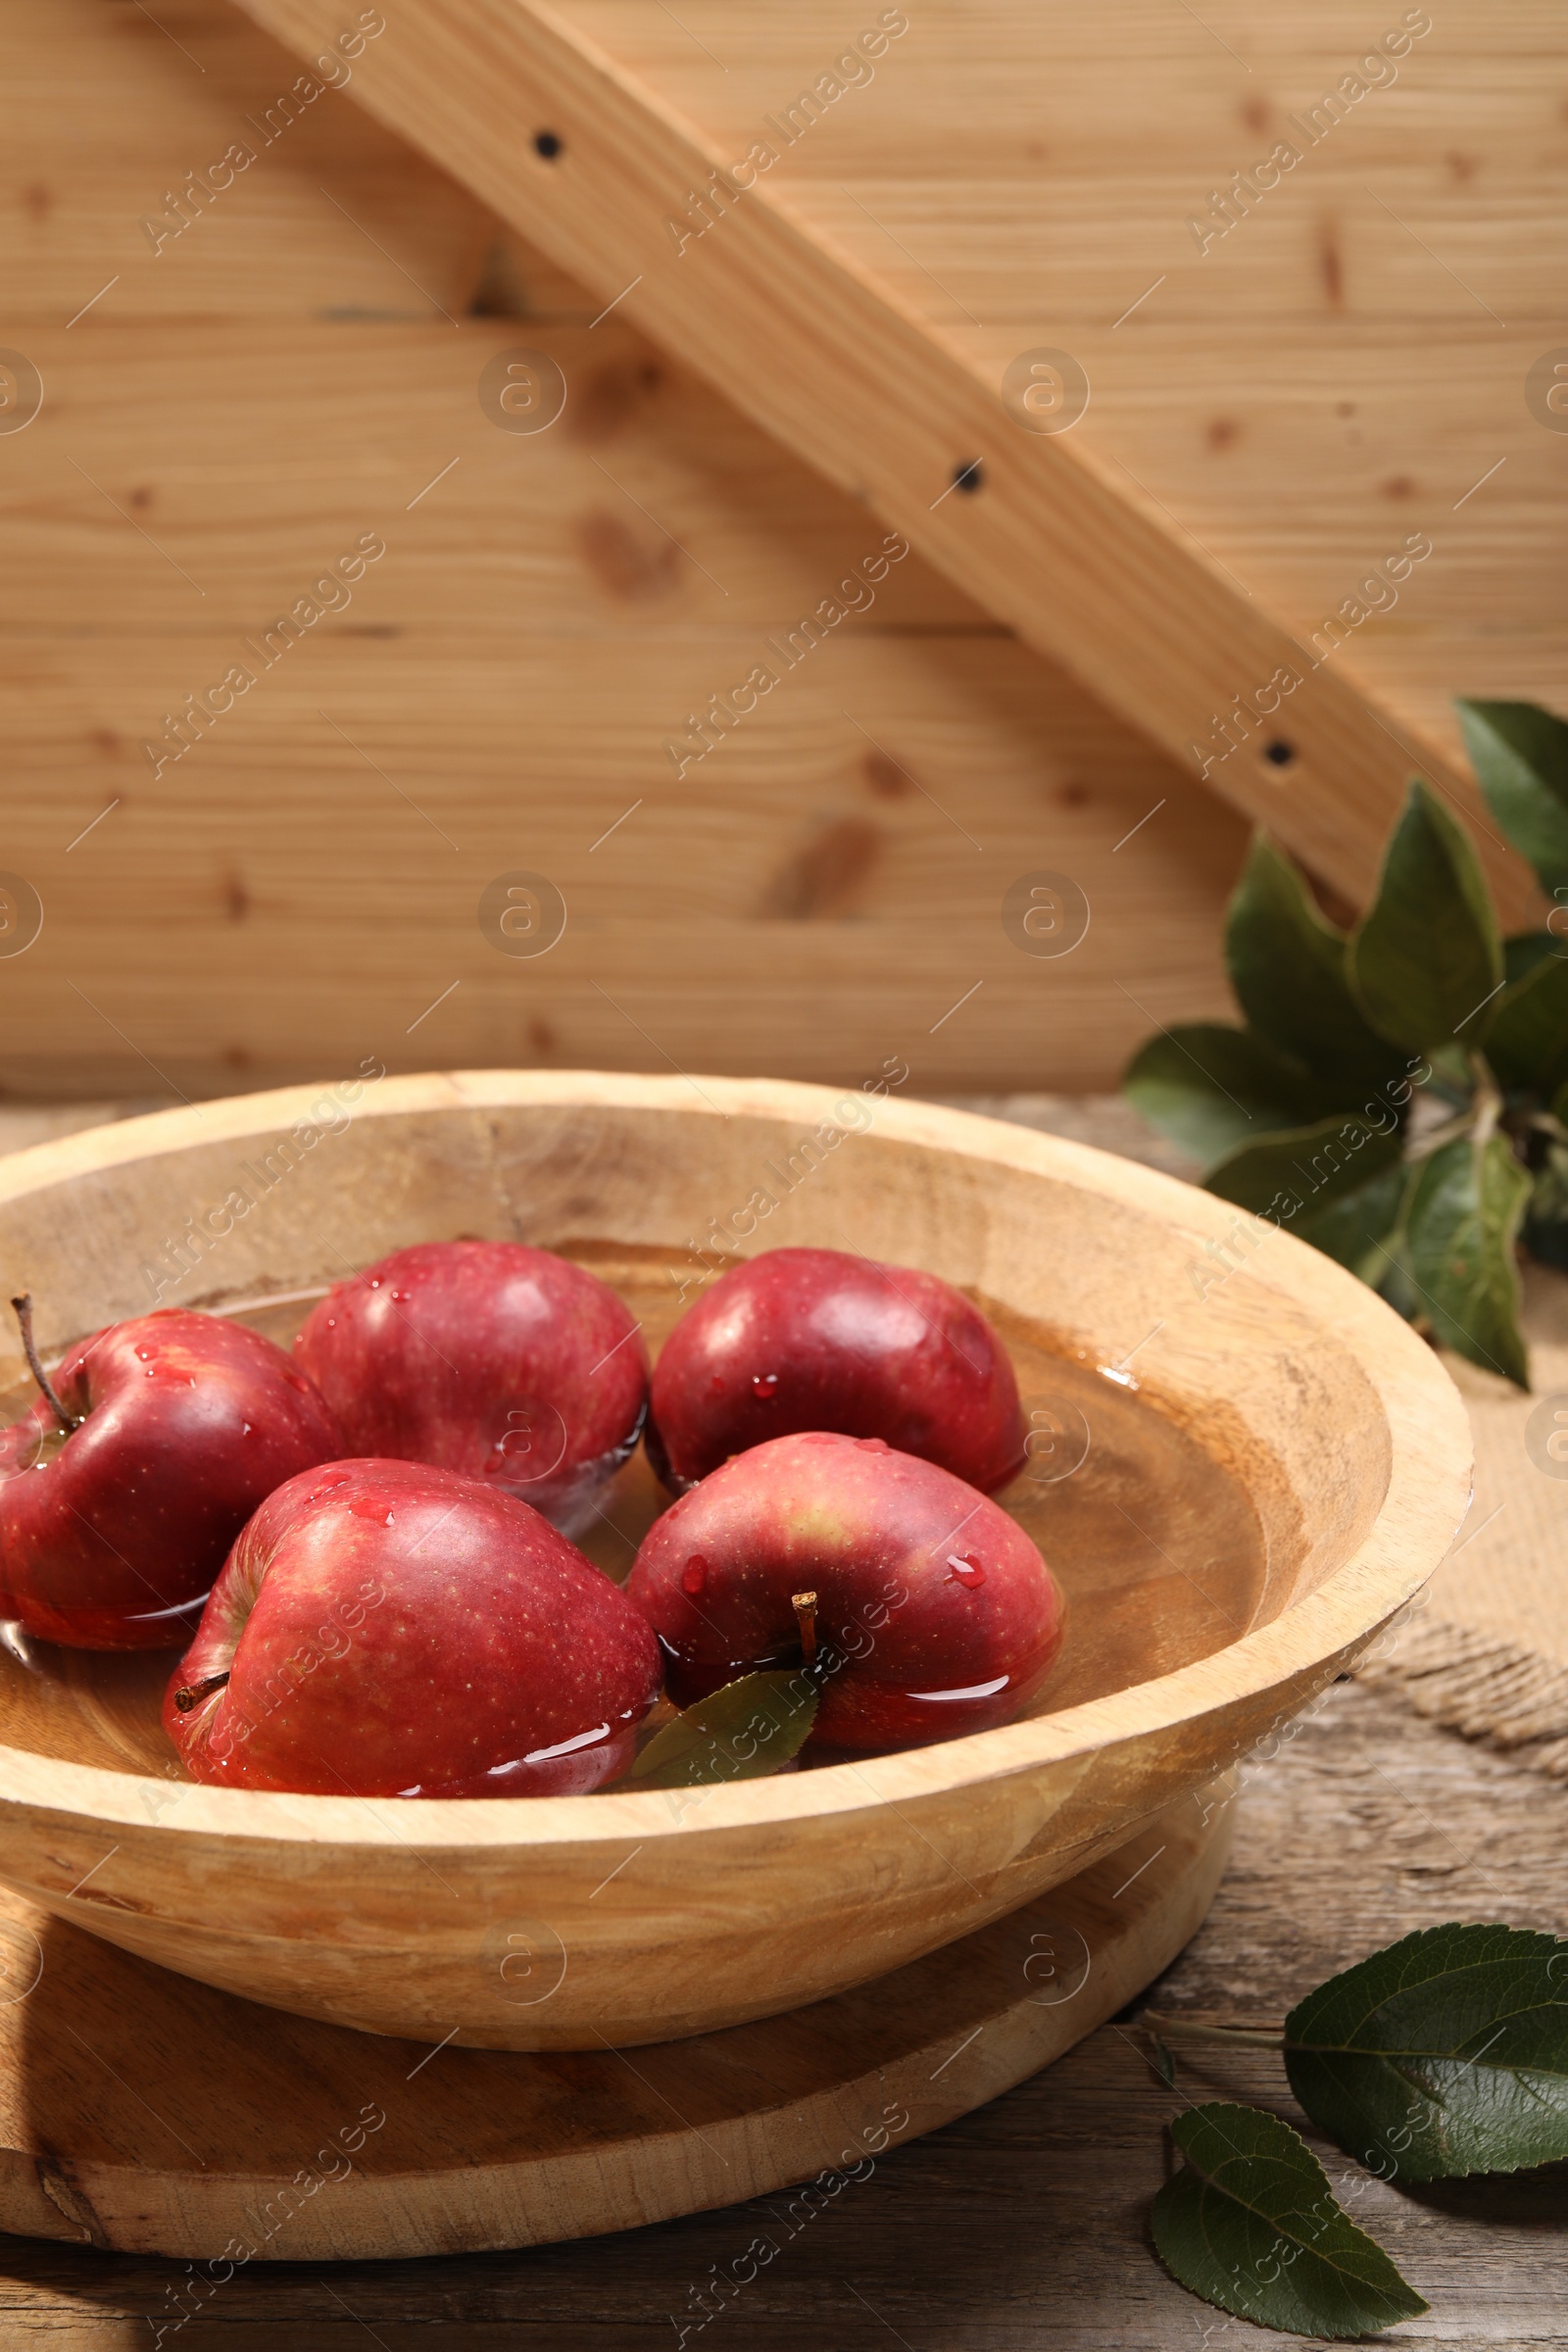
1023, 2226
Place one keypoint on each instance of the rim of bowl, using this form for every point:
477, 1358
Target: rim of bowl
1427, 1496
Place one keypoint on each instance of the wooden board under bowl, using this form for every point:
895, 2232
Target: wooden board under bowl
146, 2115
1270, 1438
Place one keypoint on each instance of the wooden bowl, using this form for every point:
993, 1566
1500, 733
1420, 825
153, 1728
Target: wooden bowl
1245, 1465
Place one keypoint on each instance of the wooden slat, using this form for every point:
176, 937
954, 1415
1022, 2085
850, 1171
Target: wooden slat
1318, 382
200, 478
810, 899
1081, 560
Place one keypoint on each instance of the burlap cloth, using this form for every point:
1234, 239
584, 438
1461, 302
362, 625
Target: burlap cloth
1485, 1650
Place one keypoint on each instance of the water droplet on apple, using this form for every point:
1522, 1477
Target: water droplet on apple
401, 1297
365, 1506
967, 1569
694, 1576
144, 1355
764, 1385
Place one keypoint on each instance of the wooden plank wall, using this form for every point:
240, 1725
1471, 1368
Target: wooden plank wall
1057, 538
296, 371
1340, 365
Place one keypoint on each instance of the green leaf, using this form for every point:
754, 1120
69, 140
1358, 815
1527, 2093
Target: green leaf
1252, 2224
1288, 968
1208, 1087
1527, 949
1527, 1041
1546, 1227
1520, 755
1357, 1228
741, 1733
1427, 960
1327, 1183
1447, 2053
1390, 1276
1461, 1221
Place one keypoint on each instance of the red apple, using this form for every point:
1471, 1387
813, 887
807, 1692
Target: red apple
819, 1338
388, 1629
926, 1611
505, 1363
124, 1485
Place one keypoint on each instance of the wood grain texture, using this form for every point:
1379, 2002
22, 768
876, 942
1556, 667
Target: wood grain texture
107, 110
225, 422
1056, 540
201, 479
383, 2148
823, 891
235, 394
1344, 1436
1346, 362
1024, 2225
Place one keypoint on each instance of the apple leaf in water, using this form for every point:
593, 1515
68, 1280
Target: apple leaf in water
1444, 2054
1251, 2224
742, 1733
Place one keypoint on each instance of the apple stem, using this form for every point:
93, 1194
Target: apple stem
805, 1607
23, 1314
194, 1692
